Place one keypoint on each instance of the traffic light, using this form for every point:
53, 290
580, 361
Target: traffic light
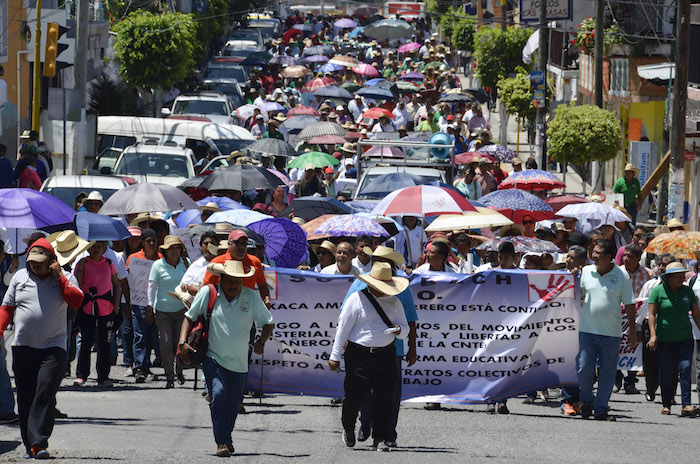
53, 32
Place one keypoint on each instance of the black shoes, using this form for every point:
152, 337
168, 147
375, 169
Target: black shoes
349, 438
650, 396
363, 434
605, 417
586, 411
632, 390
503, 409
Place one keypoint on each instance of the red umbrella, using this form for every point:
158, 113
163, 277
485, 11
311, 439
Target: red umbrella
353, 136
377, 112
317, 83
532, 179
366, 70
301, 110
466, 158
423, 200
327, 140
560, 201
291, 33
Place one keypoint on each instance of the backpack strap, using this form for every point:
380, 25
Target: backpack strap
379, 309
213, 295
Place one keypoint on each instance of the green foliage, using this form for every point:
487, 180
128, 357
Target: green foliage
448, 21
498, 53
110, 98
585, 37
211, 24
515, 94
463, 33
579, 134
437, 8
155, 51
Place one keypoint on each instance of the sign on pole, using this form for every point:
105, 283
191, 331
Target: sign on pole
556, 9
537, 86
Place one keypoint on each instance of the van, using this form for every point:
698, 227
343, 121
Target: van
199, 136
156, 163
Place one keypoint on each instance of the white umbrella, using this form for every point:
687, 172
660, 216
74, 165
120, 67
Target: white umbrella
594, 213
484, 217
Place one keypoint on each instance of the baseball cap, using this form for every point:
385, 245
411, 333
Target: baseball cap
237, 234
37, 254
328, 170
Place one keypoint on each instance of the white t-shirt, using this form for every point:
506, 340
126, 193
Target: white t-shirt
333, 269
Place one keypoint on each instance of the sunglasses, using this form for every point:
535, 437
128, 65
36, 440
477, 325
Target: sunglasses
240, 243
528, 222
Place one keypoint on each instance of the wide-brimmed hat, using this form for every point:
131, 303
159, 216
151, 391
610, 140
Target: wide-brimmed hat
517, 227
185, 297
215, 249
631, 167
95, 196
223, 228
211, 206
675, 222
68, 246
381, 279
348, 148
674, 268
143, 217
328, 246
171, 240
231, 268
386, 252
485, 131
280, 117
235, 154
298, 220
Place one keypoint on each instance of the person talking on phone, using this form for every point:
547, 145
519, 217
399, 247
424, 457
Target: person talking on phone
39, 297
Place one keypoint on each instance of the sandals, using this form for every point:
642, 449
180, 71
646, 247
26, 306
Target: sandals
690, 411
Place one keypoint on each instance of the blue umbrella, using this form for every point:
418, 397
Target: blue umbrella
375, 81
99, 227
355, 33
298, 122
285, 241
376, 93
515, 204
333, 91
223, 203
330, 67
359, 206
238, 217
387, 183
29, 209
187, 217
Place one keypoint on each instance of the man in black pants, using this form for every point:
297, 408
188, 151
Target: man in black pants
369, 322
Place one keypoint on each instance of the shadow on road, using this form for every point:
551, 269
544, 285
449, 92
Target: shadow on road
7, 446
100, 420
273, 454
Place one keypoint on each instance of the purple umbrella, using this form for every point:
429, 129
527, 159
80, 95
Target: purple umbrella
224, 203
345, 23
330, 67
29, 209
416, 76
316, 59
515, 204
351, 225
285, 241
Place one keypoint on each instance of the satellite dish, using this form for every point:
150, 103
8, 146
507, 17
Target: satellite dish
440, 138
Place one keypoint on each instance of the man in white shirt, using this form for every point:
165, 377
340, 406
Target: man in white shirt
411, 245
193, 279
478, 120
383, 125
356, 107
401, 115
261, 99
343, 261
370, 356
363, 252
259, 128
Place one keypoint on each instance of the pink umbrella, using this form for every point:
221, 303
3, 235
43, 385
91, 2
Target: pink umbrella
327, 140
301, 110
410, 46
281, 176
387, 152
316, 84
423, 200
366, 70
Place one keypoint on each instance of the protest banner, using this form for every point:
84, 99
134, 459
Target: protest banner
138, 280
631, 356
481, 337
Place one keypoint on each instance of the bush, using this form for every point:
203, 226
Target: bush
498, 53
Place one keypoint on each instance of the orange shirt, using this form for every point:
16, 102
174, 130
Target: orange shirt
141, 255
248, 262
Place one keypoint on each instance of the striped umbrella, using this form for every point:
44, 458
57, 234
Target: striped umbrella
344, 60
319, 129
532, 179
423, 200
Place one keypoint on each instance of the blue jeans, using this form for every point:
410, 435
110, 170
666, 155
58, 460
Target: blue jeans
145, 339
127, 333
605, 350
675, 354
632, 210
226, 390
7, 398
570, 394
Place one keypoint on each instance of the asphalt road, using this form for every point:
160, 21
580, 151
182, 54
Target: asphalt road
147, 424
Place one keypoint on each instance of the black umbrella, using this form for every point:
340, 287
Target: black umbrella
455, 98
376, 93
390, 86
479, 94
333, 91
241, 177
310, 208
193, 182
257, 59
147, 198
272, 147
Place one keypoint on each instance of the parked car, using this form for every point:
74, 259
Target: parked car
252, 36
105, 161
268, 27
229, 87
67, 188
156, 163
207, 106
225, 70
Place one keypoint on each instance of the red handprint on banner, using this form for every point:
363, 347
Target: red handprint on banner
556, 285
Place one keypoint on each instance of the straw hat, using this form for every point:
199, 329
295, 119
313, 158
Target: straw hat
95, 196
231, 268
235, 154
280, 117
171, 240
387, 253
348, 148
185, 297
517, 227
216, 249
223, 228
298, 220
674, 268
143, 217
328, 245
68, 246
381, 279
631, 167
675, 222
211, 206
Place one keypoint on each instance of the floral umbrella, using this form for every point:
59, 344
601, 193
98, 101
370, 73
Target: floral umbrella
680, 243
514, 204
467, 157
522, 245
351, 225
504, 154
330, 67
532, 179
310, 226
285, 241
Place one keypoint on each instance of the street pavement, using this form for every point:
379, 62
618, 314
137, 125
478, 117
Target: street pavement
145, 423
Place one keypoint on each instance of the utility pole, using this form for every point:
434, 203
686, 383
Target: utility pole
80, 83
36, 90
598, 72
543, 53
680, 99
502, 115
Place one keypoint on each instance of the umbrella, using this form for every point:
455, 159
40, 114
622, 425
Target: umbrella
466, 158
272, 147
298, 122
316, 59
330, 67
532, 179
318, 50
301, 110
303, 27
359, 206
309, 208
351, 225
327, 140
515, 204
315, 84
147, 198
560, 201
422, 200
333, 91
261, 59
479, 94
199, 229
455, 98
238, 217
350, 86
366, 70
680, 243
387, 152
285, 180
224, 203
503, 154
352, 135
355, 33
345, 61
272, 106
365, 11
522, 245
285, 241
100, 228
592, 212
376, 93
246, 111
387, 183
29, 209
295, 71
406, 87
345, 23
310, 226
187, 218
315, 158
484, 217
375, 81
240, 177
192, 182
409, 47
416, 76
377, 112
320, 128
390, 29
286, 60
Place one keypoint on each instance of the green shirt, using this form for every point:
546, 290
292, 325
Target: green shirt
278, 135
603, 297
426, 126
167, 278
229, 327
672, 323
629, 189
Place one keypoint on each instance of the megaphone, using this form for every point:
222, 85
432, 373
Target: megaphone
440, 138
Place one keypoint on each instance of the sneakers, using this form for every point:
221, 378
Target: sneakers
79, 382
381, 446
9, 418
106, 383
491, 408
571, 409
349, 438
503, 409
129, 372
363, 434
391, 444
586, 411
36, 452
223, 451
140, 378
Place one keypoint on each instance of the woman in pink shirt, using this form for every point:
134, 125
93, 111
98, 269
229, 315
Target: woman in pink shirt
98, 280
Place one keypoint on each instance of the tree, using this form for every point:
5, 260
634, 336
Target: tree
583, 133
516, 95
155, 51
211, 25
498, 53
463, 33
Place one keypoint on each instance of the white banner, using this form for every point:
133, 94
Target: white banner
138, 280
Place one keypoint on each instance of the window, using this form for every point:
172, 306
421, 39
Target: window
620, 77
